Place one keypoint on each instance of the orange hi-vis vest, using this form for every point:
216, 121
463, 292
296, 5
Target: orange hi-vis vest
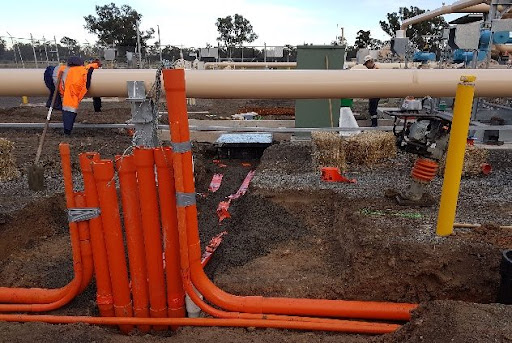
72, 87
93, 65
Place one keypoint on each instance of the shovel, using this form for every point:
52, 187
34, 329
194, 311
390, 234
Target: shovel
35, 171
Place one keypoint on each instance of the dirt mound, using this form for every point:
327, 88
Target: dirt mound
40, 220
333, 250
400, 259
457, 322
489, 233
287, 157
256, 228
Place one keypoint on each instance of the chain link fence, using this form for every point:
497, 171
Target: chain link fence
16, 52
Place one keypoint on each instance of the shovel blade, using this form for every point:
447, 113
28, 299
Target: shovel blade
36, 178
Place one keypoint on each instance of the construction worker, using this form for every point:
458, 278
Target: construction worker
96, 101
373, 102
50, 79
76, 80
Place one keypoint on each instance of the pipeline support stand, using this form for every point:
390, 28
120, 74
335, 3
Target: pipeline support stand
142, 115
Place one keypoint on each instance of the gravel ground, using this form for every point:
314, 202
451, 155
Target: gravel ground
482, 199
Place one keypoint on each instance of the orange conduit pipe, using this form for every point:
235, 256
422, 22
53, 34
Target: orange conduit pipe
103, 172
183, 168
145, 164
345, 326
73, 288
169, 217
379, 328
125, 166
85, 244
104, 297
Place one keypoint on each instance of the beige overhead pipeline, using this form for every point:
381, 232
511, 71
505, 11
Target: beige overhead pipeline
281, 84
482, 8
260, 65
453, 8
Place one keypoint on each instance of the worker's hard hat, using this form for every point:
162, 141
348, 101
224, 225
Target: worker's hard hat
368, 59
74, 61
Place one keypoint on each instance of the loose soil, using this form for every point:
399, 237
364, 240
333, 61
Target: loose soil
290, 235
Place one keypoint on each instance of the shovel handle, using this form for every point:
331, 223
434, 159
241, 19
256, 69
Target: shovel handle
48, 117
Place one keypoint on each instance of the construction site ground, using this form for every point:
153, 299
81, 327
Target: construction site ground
291, 235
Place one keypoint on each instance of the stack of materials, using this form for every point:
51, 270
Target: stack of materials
8, 170
370, 148
328, 150
367, 149
474, 159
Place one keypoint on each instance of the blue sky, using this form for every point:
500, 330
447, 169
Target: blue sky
192, 23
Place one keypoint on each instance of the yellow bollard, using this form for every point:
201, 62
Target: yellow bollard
24, 100
455, 156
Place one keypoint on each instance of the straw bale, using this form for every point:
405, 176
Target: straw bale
8, 170
328, 150
369, 148
473, 160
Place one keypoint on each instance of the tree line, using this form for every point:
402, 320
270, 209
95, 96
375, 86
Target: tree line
117, 27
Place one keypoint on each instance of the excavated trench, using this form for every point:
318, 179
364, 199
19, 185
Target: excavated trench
294, 243
319, 245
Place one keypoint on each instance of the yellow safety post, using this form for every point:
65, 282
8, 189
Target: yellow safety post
455, 156
24, 100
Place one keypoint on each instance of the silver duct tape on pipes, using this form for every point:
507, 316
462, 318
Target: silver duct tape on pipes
281, 84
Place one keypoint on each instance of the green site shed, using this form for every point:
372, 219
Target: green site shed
316, 113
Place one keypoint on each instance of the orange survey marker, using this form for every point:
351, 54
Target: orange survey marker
212, 247
332, 174
215, 183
